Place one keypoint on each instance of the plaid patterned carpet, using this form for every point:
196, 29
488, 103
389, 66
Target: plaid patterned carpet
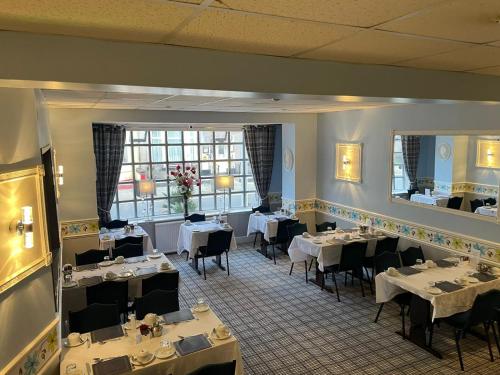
286, 326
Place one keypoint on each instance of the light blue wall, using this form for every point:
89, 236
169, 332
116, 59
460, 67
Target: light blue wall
486, 176
443, 169
372, 127
276, 177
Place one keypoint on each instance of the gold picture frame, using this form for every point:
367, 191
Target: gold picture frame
488, 154
348, 161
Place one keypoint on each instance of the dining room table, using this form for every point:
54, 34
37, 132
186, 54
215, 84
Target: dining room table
92, 358
266, 223
439, 200
194, 235
74, 294
107, 238
326, 247
438, 291
487, 211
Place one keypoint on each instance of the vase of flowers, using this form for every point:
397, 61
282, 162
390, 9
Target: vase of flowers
185, 181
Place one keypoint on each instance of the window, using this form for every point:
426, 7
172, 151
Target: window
154, 153
400, 180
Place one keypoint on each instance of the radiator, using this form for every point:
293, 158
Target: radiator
166, 235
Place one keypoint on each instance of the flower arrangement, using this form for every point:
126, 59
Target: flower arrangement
186, 181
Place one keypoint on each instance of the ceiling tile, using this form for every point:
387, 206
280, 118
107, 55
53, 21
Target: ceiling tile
232, 31
463, 20
134, 20
468, 58
380, 47
363, 13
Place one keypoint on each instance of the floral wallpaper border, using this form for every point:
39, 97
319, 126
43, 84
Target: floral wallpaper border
299, 205
458, 187
75, 228
42, 351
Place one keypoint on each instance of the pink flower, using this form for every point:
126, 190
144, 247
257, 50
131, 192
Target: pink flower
188, 168
178, 167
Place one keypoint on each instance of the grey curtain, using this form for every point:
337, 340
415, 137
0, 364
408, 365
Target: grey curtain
259, 142
411, 153
109, 141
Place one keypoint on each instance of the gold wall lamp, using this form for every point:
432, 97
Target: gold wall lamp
488, 154
348, 161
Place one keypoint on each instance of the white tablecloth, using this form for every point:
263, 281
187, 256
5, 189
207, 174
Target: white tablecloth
433, 200
75, 299
328, 251
221, 351
107, 240
191, 237
267, 224
487, 211
445, 304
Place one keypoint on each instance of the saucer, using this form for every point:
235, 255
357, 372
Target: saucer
105, 277
433, 290
71, 284
201, 308
68, 345
217, 337
124, 275
472, 280
420, 266
155, 256
136, 361
164, 353
105, 263
395, 274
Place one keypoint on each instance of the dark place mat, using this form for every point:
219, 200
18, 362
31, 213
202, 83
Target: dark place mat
446, 286
178, 316
107, 333
87, 267
484, 277
88, 281
268, 213
444, 263
191, 344
115, 366
145, 271
408, 271
136, 259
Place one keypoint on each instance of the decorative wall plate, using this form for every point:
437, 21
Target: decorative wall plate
288, 159
444, 151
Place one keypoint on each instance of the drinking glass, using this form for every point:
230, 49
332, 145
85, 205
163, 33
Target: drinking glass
166, 343
200, 301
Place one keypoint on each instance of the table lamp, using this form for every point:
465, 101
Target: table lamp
145, 188
224, 182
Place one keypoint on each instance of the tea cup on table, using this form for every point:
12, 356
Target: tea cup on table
306, 235
74, 338
165, 266
150, 319
430, 263
391, 271
142, 355
187, 222
119, 259
461, 280
222, 330
257, 212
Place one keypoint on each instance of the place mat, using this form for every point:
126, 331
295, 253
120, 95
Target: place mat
88, 281
87, 267
446, 286
107, 333
408, 271
145, 271
484, 277
178, 316
192, 344
268, 213
444, 263
141, 258
115, 366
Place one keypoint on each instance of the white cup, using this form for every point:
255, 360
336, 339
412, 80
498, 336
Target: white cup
222, 330
305, 235
150, 319
165, 266
187, 222
391, 271
120, 259
110, 275
257, 212
74, 338
142, 355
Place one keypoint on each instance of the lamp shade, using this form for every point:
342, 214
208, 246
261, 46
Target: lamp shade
146, 187
224, 182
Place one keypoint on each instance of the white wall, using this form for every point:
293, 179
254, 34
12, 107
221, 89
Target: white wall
372, 128
71, 131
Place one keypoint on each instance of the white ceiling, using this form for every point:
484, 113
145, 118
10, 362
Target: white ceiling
113, 100
454, 35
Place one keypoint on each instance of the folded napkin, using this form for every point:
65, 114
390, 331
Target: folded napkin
145, 271
446, 286
178, 316
115, 366
88, 281
408, 271
107, 333
141, 258
484, 277
87, 267
192, 344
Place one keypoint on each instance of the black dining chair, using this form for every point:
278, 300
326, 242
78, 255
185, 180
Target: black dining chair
115, 224
90, 257
409, 256
475, 204
157, 302
411, 192
218, 242
227, 368
483, 312
323, 227
296, 230
132, 240
454, 203
351, 260
161, 281
382, 263
109, 292
93, 317
195, 218
262, 209
281, 237
387, 244
128, 251
490, 201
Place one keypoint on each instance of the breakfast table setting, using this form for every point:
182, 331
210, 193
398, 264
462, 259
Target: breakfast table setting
266, 223
174, 343
487, 210
107, 237
440, 200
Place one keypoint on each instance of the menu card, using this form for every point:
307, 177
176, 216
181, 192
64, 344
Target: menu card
115, 366
484, 277
107, 333
86, 267
408, 271
446, 286
178, 316
192, 344
444, 263
89, 281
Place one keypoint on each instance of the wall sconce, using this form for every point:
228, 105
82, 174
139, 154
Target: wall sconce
24, 226
348, 162
60, 175
487, 154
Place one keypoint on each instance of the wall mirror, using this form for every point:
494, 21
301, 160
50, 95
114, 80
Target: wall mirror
456, 171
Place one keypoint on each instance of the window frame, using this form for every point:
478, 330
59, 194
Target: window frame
404, 178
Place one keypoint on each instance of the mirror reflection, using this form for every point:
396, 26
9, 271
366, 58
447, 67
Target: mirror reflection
457, 172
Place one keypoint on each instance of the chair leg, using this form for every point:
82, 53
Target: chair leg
345, 279
187, 256
255, 239
323, 281
458, 333
336, 288
495, 336
379, 311
360, 277
291, 269
431, 334
403, 326
487, 333
274, 255
227, 262
204, 272
305, 265
310, 265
